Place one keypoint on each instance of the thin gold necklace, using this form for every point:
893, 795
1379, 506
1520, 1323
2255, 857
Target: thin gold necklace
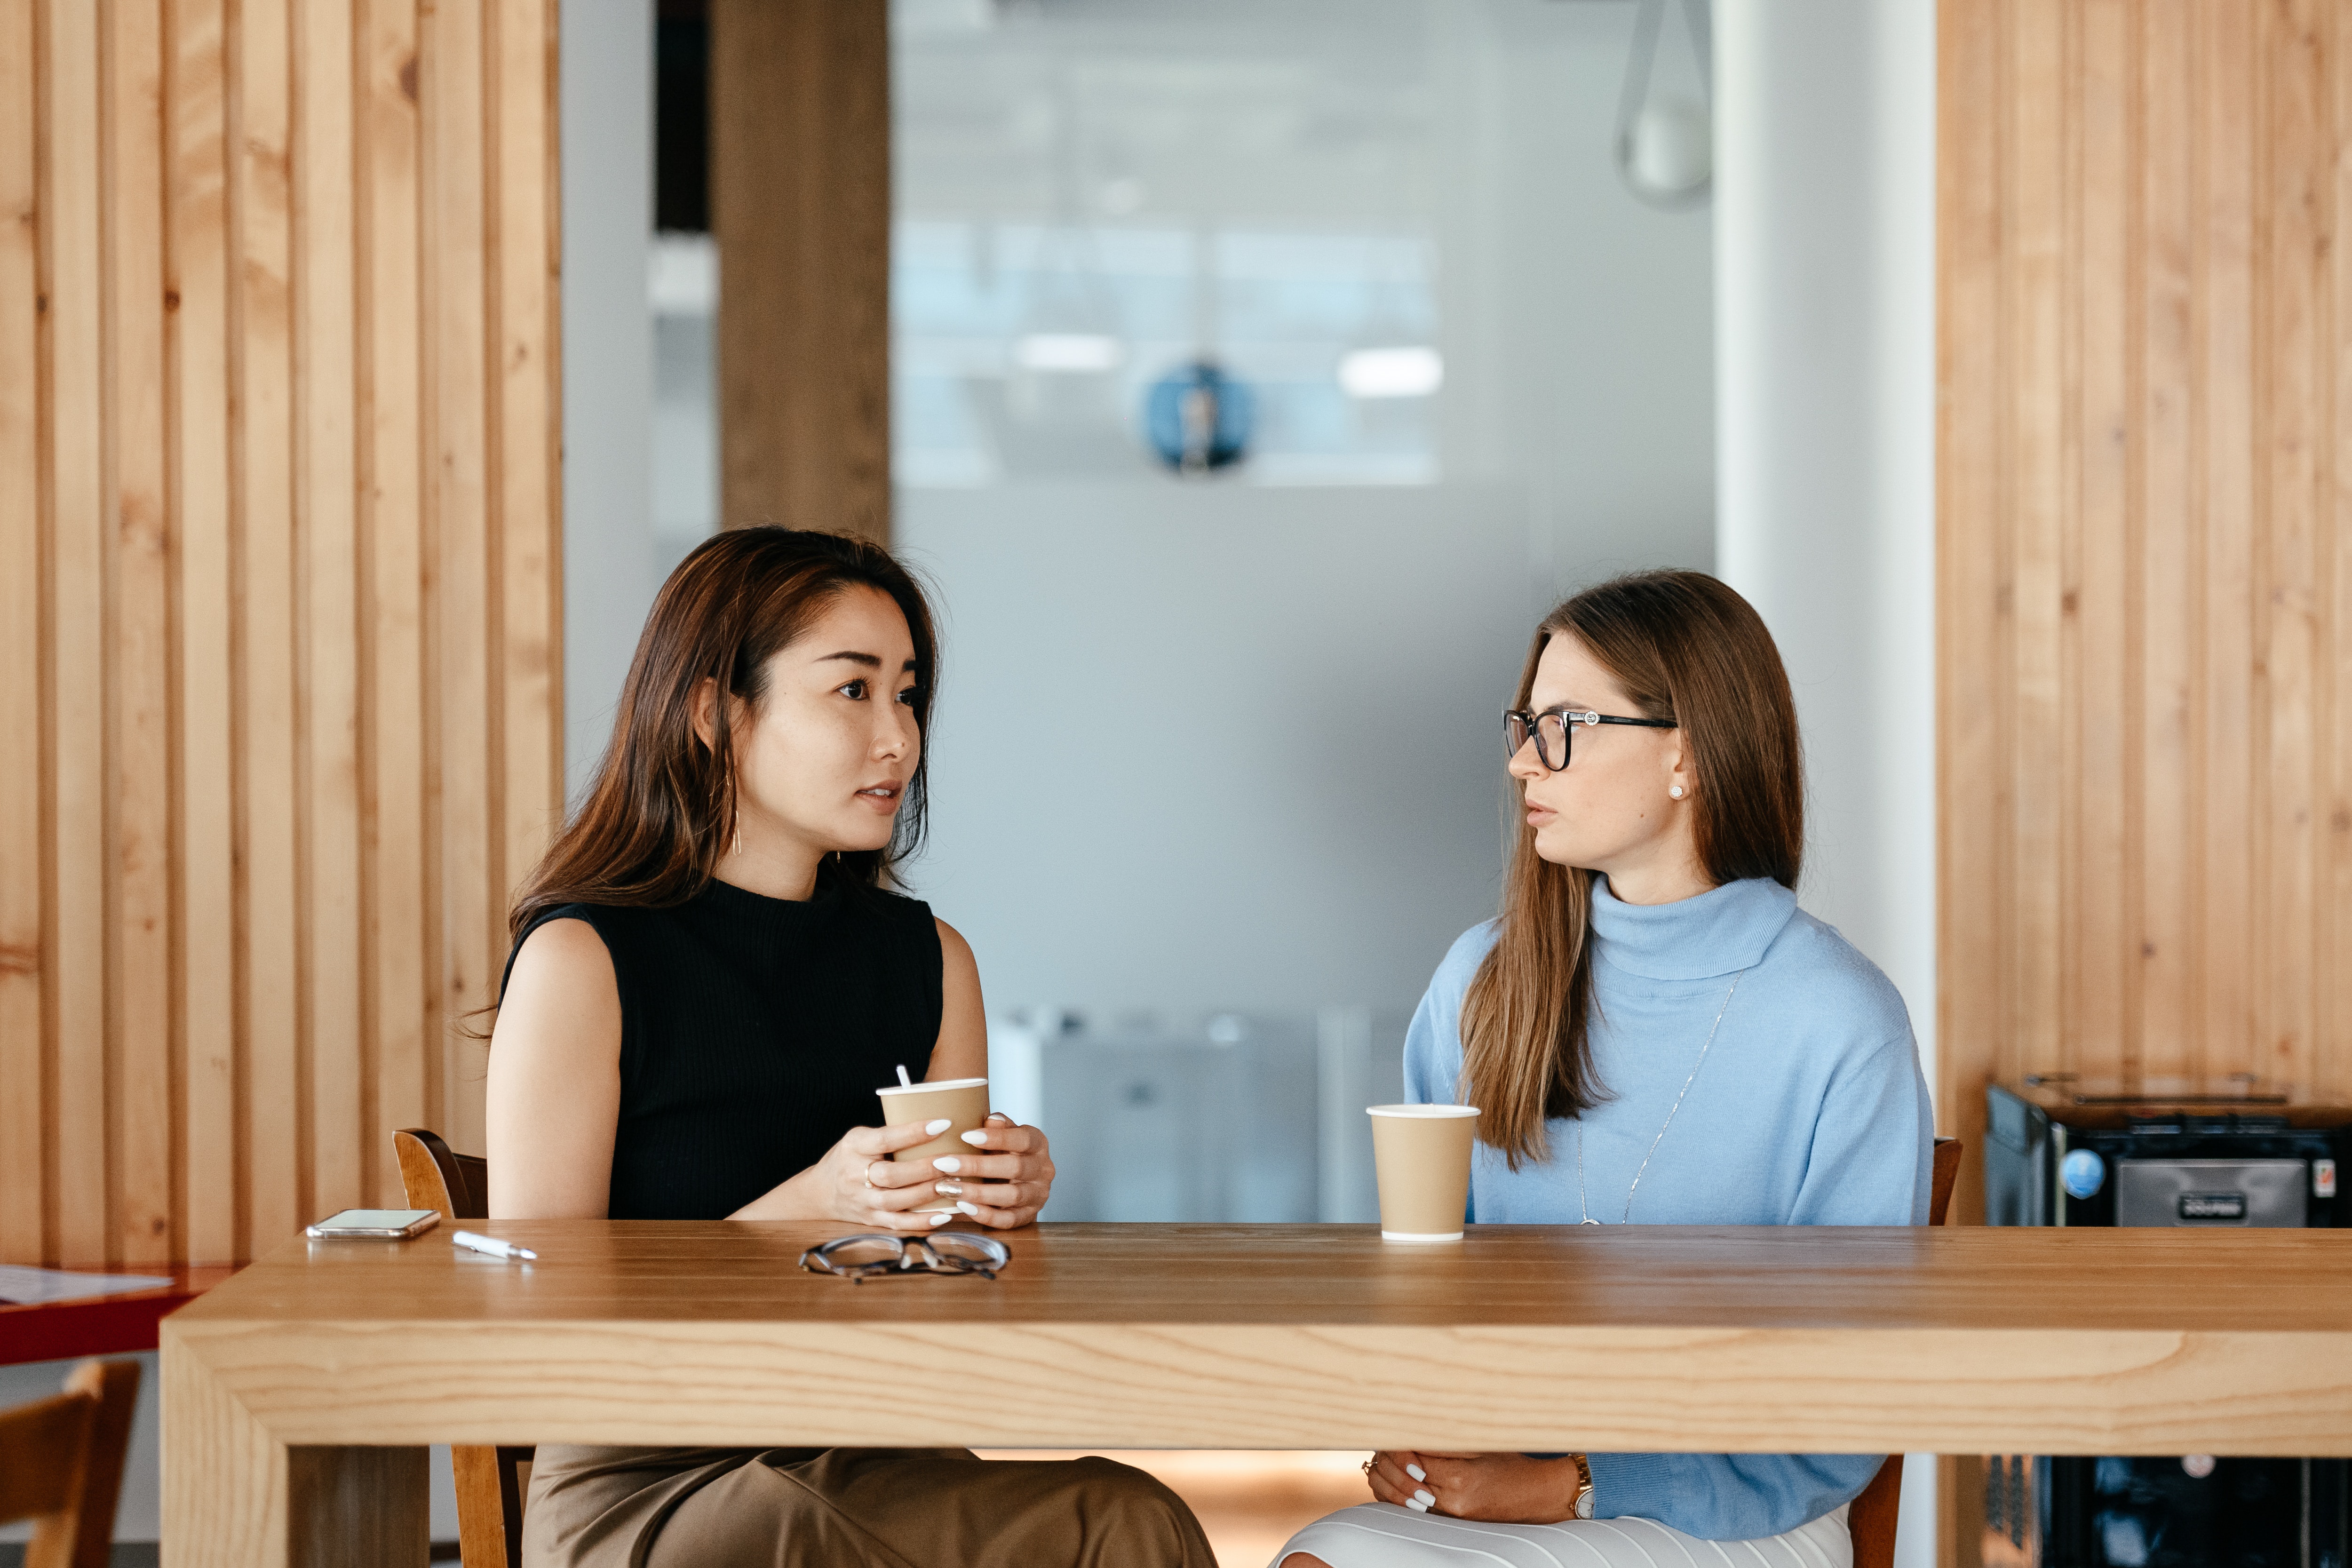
1669, 1121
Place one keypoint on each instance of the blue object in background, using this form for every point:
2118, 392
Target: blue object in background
1198, 418
2083, 1173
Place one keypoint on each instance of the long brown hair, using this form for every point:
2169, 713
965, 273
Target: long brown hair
1685, 647
662, 809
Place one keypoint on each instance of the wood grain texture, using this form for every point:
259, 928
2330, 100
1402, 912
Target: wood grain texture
394, 736
1635, 1337
2144, 835
23, 1000
248, 873
327, 676
139, 775
75, 947
203, 513
801, 208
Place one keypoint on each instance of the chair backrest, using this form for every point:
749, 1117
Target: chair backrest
436, 1178
1939, 1186
62, 1464
1871, 1517
492, 1483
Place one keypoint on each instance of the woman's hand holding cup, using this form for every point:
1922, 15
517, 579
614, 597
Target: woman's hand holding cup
1006, 1179
862, 1185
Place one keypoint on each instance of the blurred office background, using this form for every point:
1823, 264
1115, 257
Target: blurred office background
1216, 772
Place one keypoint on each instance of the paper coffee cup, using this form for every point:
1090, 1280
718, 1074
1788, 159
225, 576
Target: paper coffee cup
962, 1100
1422, 1156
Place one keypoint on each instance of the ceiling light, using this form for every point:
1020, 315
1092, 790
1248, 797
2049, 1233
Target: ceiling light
1391, 372
1067, 351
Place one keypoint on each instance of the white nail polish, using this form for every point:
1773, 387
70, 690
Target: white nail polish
936, 1128
1416, 1472
975, 1139
968, 1208
949, 1164
1415, 1504
941, 1218
1424, 1497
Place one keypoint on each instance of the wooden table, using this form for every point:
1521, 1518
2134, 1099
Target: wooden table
297, 1396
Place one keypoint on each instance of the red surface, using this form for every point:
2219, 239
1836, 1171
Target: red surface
101, 1325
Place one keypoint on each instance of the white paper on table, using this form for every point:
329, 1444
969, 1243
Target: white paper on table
21, 1286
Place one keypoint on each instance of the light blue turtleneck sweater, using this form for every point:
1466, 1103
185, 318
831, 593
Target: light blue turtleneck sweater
1809, 1109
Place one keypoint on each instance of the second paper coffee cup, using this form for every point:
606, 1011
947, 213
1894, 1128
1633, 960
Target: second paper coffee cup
1422, 1153
962, 1100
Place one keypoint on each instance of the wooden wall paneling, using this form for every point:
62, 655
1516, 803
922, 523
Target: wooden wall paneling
2294, 335
327, 507
2145, 823
2333, 1056
2228, 382
272, 1088
279, 545
73, 274
197, 321
2037, 754
2096, 606
1972, 700
527, 441
22, 1182
458, 506
801, 206
2161, 557
139, 1059
394, 736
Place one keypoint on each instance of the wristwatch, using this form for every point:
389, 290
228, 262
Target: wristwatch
1583, 1486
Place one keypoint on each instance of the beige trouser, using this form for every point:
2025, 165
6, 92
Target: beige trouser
848, 1508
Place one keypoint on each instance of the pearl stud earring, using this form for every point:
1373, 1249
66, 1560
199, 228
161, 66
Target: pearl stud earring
1676, 790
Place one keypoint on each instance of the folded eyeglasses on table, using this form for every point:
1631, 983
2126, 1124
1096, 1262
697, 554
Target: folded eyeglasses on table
871, 1253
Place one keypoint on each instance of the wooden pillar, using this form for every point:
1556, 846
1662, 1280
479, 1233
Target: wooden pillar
801, 204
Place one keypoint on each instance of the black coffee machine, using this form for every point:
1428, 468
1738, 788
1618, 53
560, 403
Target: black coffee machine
2228, 1154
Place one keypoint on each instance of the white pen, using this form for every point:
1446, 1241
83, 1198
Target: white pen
495, 1247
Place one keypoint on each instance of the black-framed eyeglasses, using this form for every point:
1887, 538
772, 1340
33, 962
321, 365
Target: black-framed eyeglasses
1552, 728
863, 1255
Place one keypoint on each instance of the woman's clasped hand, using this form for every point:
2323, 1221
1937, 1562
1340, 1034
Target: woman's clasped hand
1001, 1182
1502, 1488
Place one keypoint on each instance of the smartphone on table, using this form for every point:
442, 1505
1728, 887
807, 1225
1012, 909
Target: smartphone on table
387, 1225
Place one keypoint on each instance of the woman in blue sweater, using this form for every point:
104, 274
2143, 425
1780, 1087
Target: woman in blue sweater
1655, 1034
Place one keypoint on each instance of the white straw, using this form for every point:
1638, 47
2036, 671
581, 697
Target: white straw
904, 1081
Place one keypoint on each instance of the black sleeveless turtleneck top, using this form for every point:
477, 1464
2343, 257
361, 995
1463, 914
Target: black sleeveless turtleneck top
754, 1032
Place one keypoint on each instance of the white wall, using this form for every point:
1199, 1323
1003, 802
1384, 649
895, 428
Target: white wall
611, 566
1825, 397
1205, 748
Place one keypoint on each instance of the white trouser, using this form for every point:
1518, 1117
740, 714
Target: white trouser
1382, 1535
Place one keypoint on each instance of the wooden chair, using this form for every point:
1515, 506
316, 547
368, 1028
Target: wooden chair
62, 1464
492, 1483
1871, 1520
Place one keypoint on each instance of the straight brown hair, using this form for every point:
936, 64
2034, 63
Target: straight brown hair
1685, 647
661, 810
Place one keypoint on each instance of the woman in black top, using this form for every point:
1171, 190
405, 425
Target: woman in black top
711, 976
